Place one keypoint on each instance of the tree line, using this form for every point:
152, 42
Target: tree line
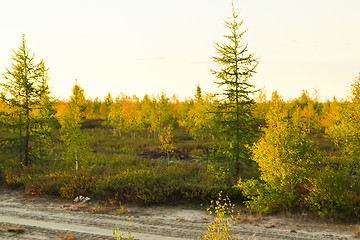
280, 154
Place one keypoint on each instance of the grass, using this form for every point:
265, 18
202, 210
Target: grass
117, 170
125, 169
68, 236
356, 234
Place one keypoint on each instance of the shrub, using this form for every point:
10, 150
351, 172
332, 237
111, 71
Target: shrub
160, 184
119, 235
286, 159
330, 193
77, 184
220, 227
61, 183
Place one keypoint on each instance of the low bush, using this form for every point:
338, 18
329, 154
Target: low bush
221, 226
38, 181
159, 185
331, 193
125, 182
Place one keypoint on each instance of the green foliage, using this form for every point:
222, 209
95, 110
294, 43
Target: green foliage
166, 142
218, 172
75, 150
161, 116
112, 166
234, 110
129, 115
220, 227
332, 192
118, 173
160, 184
198, 93
344, 129
119, 235
40, 181
27, 105
199, 120
286, 159
115, 115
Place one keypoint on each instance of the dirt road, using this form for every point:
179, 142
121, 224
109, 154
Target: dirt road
52, 218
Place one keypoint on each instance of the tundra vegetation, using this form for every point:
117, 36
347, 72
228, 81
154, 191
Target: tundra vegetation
271, 153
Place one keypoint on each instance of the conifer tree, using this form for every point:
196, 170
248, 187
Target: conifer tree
198, 94
234, 114
26, 92
44, 119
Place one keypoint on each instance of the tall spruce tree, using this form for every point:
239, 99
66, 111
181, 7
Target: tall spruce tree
26, 92
234, 113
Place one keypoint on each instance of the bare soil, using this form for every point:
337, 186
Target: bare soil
157, 153
24, 216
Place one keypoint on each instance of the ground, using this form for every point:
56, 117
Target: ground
23, 216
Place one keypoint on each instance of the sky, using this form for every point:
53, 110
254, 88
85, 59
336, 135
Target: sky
149, 47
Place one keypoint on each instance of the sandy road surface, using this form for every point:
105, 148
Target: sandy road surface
51, 218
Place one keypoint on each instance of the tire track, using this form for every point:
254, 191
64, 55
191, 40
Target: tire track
49, 218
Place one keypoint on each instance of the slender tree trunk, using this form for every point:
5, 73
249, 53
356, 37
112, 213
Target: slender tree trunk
27, 129
159, 133
21, 153
237, 152
211, 132
27, 137
120, 116
76, 160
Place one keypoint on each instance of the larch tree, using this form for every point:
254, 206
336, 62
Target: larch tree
198, 93
44, 119
26, 92
234, 113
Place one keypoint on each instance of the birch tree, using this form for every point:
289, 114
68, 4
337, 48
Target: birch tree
75, 148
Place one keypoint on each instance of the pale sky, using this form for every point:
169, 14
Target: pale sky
150, 46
